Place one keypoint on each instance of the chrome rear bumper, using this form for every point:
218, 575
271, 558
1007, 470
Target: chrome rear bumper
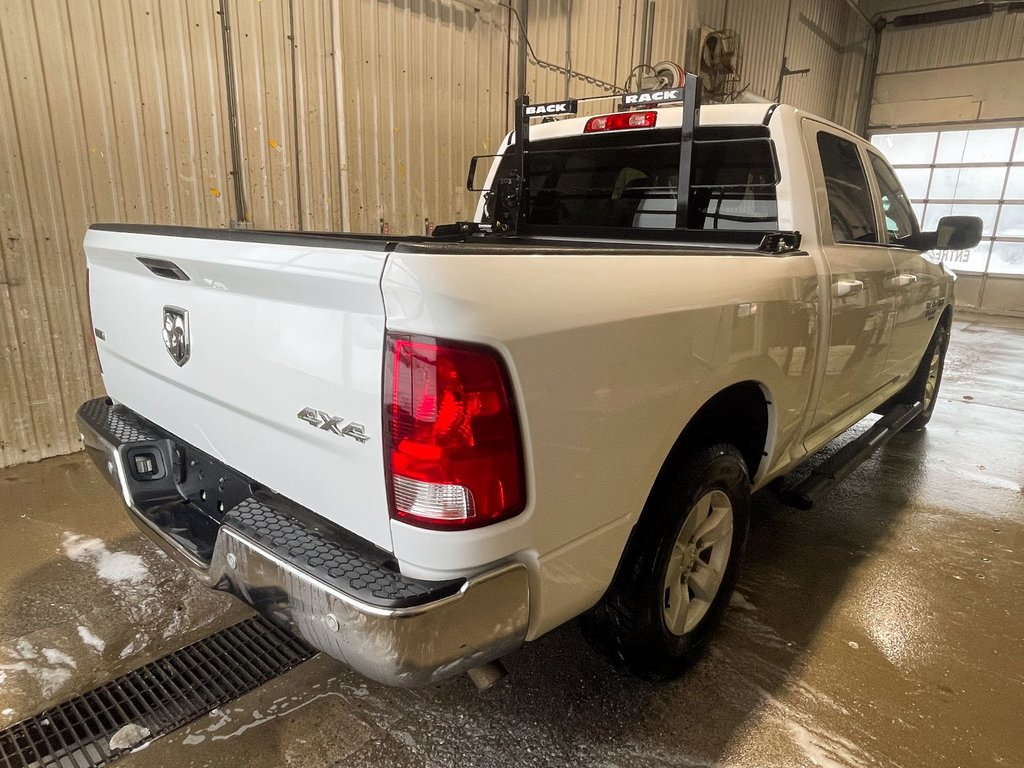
432, 634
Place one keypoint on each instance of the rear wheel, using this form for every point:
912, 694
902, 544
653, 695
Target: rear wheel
679, 569
924, 387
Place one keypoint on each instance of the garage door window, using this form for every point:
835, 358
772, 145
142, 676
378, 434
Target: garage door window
974, 172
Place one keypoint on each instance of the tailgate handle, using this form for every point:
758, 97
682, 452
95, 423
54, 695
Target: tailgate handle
162, 268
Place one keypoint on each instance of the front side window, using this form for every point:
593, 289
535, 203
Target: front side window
849, 202
899, 216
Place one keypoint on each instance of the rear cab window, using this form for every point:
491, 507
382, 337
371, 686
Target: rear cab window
627, 180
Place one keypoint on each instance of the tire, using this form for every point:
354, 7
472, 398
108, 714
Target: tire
924, 386
663, 606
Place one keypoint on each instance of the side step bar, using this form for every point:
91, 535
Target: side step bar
839, 466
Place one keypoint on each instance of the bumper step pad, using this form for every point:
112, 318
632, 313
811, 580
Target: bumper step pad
161, 697
363, 572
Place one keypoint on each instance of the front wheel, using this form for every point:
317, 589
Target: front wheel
924, 387
679, 568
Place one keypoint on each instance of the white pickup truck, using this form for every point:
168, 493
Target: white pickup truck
419, 452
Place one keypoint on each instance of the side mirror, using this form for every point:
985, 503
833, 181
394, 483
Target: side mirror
954, 233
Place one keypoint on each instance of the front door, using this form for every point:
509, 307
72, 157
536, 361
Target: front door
919, 283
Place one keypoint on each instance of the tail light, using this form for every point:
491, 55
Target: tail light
454, 452
621, 121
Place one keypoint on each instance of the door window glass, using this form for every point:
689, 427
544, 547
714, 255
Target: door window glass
896, 210
849, 201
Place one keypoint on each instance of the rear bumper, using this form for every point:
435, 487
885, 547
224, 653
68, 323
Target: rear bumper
339, 594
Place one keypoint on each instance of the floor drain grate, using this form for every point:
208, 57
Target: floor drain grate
161, 696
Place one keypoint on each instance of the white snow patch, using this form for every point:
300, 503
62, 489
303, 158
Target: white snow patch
193, 738
129, 736
853, 644
25, 649
53, 656
127, 651
826, 749
50, 680
118, 568
7, 712
739, 601
90, 639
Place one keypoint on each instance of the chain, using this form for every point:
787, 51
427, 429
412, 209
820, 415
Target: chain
584, 78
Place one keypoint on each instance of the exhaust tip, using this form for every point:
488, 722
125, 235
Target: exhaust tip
487, 675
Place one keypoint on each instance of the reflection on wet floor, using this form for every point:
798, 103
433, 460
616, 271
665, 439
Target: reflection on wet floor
880, 629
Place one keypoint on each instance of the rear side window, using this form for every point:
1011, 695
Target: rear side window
849, 200
629, 180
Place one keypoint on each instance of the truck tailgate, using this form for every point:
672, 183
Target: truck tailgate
282, 379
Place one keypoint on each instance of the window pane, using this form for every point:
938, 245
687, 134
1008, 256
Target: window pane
906, 148
1007, 258
849, 202
1018, 152
1011, 221
1015, 183
991, 145
919, 212
964, 260
951, 147
967, 183
915, 181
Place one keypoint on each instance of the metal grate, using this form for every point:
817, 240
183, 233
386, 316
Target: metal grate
161, 696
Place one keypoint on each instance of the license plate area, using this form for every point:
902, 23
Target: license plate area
207, 484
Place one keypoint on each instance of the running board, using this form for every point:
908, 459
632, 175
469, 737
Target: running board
838, 466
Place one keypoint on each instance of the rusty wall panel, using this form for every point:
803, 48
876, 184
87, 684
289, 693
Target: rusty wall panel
108, 111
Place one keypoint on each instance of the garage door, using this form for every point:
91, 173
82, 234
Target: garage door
977, 172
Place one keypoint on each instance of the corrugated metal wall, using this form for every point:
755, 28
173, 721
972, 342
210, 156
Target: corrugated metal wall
107, 112
982, 41
350, 113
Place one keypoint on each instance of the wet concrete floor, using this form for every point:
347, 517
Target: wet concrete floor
883, 628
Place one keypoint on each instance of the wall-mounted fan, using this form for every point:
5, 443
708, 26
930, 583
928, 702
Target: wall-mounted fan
715, 59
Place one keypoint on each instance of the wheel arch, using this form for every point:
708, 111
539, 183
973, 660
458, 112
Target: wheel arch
740, 414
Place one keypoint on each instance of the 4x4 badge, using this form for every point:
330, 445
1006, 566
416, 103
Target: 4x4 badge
334, 424
176, 336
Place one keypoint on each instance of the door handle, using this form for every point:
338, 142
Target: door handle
903, 280
847, 287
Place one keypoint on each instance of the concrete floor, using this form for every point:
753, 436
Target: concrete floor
884, 628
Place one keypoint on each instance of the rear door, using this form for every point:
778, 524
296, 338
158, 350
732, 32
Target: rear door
264, 350
863, 296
